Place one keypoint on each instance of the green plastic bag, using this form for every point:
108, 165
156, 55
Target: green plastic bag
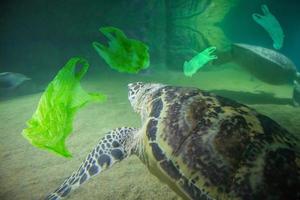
270, 23
123, 54
200, 60
52, 122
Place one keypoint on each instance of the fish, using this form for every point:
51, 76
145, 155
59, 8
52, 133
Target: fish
11, 80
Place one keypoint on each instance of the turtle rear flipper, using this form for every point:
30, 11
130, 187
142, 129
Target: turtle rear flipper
110, 149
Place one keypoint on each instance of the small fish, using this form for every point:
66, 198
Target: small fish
10, 80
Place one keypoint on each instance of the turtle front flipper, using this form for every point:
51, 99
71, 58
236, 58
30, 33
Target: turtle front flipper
296, 94
113, 147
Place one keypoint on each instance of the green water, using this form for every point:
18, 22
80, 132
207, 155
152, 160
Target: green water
38, 37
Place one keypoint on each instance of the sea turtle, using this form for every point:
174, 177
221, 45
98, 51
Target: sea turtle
265, 64
202, 145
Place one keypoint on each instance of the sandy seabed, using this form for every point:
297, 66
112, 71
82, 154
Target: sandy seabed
30, 173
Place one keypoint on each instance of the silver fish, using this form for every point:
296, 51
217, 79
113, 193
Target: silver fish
11, 80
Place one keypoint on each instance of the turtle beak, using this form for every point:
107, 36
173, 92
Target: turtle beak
133, 90
130, 86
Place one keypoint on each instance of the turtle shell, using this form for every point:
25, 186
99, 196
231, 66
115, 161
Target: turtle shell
266, 64
208, 147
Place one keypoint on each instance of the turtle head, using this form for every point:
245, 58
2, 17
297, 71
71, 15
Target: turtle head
139, 92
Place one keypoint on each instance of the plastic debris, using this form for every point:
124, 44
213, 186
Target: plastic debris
271, 25
123, 54
200, 60
51, 123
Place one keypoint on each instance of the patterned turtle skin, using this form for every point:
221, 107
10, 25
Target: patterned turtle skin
208, 147
265, 64
205, 147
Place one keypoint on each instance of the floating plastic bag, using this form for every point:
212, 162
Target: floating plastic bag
271, 25
200, 60
51, 123
123, 54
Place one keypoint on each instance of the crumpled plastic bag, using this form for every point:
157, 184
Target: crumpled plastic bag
270, 23
52, 121
198, 61
123, 54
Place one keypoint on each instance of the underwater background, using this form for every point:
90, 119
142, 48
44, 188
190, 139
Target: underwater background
37, 38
